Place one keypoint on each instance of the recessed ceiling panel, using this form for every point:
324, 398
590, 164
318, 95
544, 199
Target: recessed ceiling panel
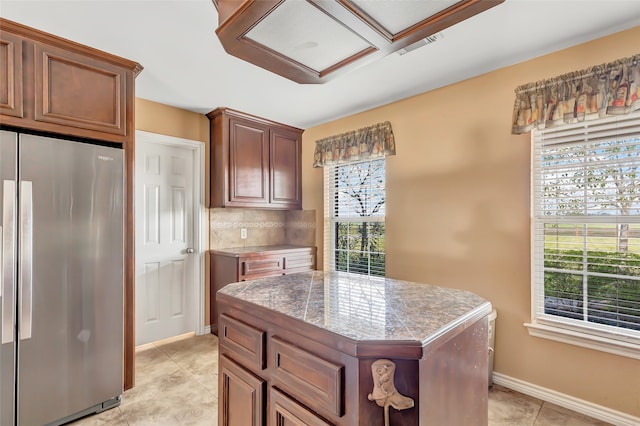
300, 31
396, 16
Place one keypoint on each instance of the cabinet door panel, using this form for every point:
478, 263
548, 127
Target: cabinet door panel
11, 75
248, 162
78, 91
241, 396
286, 412
286, 179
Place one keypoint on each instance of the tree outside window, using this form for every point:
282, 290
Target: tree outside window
589, 217
358, 217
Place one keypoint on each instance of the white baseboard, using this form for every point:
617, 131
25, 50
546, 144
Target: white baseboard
581, 406
207, 329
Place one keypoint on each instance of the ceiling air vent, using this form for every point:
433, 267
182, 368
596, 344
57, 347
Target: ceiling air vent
422, 42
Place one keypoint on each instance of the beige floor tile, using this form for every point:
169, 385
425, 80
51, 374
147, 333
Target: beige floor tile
189, 343
509, 408
197, 358
553, 415
209, 381
152, 364
175, 399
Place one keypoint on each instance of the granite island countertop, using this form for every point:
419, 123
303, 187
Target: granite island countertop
361, 308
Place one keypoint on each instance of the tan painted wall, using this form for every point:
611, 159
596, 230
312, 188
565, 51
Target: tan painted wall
458, 213
166, 120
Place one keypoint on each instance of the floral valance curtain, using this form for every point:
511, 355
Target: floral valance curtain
599, 91
362, 144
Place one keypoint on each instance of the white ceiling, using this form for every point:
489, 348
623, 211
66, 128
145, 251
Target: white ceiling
185, 65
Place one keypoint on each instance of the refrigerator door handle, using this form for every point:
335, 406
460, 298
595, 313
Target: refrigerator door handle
8, 259
25, 288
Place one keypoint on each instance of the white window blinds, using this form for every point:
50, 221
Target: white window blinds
354, 217
586, 232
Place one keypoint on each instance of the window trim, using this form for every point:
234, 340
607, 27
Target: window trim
618, 342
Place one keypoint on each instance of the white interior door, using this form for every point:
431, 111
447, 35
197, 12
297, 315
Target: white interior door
166, 279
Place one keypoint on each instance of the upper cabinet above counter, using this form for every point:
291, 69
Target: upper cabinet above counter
255, 162
54, 85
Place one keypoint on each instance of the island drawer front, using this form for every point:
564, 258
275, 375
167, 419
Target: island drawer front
246, 342
314, 381
286, 411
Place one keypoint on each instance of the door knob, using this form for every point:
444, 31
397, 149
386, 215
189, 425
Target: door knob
189, 250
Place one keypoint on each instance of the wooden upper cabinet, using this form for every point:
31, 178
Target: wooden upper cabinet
11, 75
254, 162
286, 174
55, 85
248, 162
98, 89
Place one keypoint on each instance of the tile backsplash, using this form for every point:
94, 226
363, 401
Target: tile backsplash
264, 227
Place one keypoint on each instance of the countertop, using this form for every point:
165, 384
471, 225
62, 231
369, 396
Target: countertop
364, 308
234, 251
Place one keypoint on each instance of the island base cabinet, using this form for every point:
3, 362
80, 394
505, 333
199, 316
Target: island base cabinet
307, 369
241, 394
457, 368
306, 382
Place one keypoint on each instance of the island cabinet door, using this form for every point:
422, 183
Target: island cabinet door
242, 396
284, 411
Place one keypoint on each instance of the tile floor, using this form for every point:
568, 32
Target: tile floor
176, 384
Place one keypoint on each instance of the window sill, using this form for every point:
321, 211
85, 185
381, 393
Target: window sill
574, 336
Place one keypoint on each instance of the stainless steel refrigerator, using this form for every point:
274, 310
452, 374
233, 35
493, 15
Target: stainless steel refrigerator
62, 274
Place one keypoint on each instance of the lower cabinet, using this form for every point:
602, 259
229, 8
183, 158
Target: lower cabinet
241, 394
266, 380
233, 265
243, 401
284, 411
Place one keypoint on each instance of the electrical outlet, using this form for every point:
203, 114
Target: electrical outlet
243, 233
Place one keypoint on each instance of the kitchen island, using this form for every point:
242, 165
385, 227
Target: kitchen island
345, 349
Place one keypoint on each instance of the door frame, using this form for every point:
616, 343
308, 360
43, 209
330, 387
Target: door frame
198, 149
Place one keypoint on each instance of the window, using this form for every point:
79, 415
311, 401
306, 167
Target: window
354, 223
586, 234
